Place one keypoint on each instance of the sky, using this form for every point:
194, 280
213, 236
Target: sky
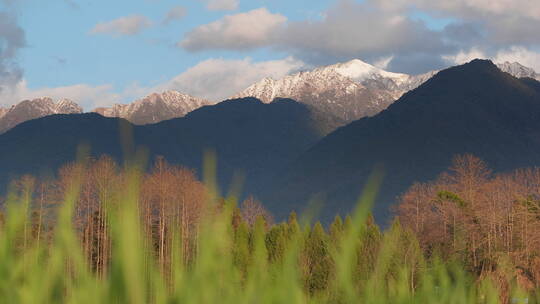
103, 52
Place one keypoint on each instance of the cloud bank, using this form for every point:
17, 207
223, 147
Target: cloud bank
212, 79
12, 39
376, 29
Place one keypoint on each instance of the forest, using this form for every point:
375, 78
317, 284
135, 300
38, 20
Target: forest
109, 233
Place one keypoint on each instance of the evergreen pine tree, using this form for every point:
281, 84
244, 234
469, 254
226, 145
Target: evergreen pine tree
318, 262
241, 252
336, 231
368, 250
276, 243
257, 240
293, 226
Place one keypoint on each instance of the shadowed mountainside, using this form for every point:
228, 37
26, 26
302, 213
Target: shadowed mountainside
474, 108
247, 135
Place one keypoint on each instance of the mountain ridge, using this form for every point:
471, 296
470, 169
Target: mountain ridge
155, 107
351, 90
344, 91
247, 135
474, 108
35, 108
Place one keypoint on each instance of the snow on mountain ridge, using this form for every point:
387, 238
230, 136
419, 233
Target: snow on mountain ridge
329, 90
67, 106
360, 71
518, 70
352, 89
155, 107
35, 108
356, 70
349, 90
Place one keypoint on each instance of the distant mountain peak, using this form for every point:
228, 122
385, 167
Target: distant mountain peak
348, 90
35, 108
67, 106
155, 107
355, 89
518, 70
360, 71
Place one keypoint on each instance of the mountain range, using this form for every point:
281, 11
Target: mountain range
344, 92
349, 91
153, 108
288, 151
36, 108
474, 108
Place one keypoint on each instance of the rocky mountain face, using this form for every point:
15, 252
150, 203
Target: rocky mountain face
518, 70
350, 90
327, 91
35, 108
155, 107
474, 108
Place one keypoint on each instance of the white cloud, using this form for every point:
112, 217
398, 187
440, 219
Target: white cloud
218, 79
464, 56
382, 63
123, 26
240, 31
222, 5
175, 13
351, 29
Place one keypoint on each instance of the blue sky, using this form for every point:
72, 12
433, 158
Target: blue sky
62, 52
101, 52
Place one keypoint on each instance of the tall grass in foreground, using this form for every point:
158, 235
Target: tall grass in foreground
231, 264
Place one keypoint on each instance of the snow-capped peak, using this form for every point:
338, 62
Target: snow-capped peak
67, 106
155, 107
348, 90
518, 70
35, 108
360, 71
